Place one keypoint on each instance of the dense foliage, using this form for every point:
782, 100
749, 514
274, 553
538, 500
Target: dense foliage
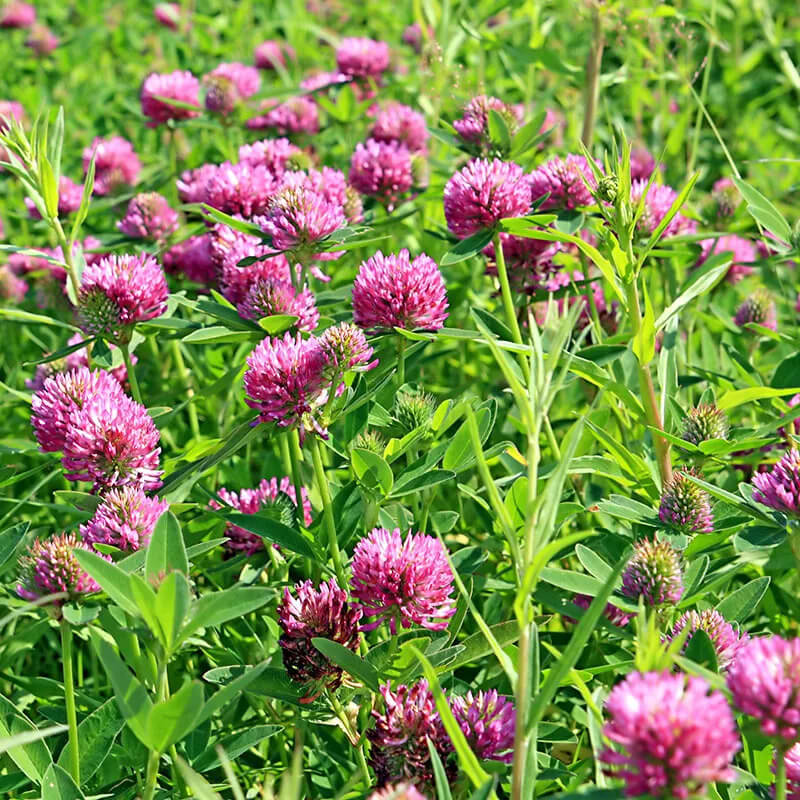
399, 400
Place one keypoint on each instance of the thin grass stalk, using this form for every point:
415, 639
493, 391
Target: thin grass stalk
69, 702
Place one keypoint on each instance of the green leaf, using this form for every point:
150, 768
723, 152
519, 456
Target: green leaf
701, 650
172, 605
10, 539
372, 470
113, 581
466, 758
231, 690
219, 334
201, 789
226, 219
170, 720
467, 248
18, 315
217, 607
277, 323
96, 735
273, 531
700, 282
166, 551
786, 372
417, 483
569, 657
459, 454
348, 661
592, 563
571, 581
442, 783
23, 741
234, 746
677, 203
58, 785
739, 605
763, 211
737, 397
86, 196
131, 696
498, 131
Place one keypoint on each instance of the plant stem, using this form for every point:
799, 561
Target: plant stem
780, 776
66, 252
505, 290
593, 62
152, 775
648, 391
522, 701
69, 702
327, 510
508, 301
295, 457
183, 374
401, 360
126, 357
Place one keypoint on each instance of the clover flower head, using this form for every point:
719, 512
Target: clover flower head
780, 487
267, 297
115, 164
764, 680
758, 308
565, 181
361, 57
285, 381
111, 441
126, 518
50, 567
482, 193
394, 291
307, 613
158, 89
381, 169
402, 581
399, 739
686, 506
119, 291
654, 573
149, 216
674, 735
726, 640
488, 721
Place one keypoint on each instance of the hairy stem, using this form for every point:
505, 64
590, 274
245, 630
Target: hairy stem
648, 391
327, 511
69, 702
401, 360
295, 457
593, 62
780, 776
126, 358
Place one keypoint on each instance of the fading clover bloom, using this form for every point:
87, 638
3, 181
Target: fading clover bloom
780, 488
306, 613
488, 720
727, 641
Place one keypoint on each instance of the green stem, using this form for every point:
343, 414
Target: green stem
508, 301
134, 383
647, 389
780, 776
352, 734
327, 510
69, 702
295, 457
593, 62
183, 374
505, 290
401, 360
66, 251
152, 775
